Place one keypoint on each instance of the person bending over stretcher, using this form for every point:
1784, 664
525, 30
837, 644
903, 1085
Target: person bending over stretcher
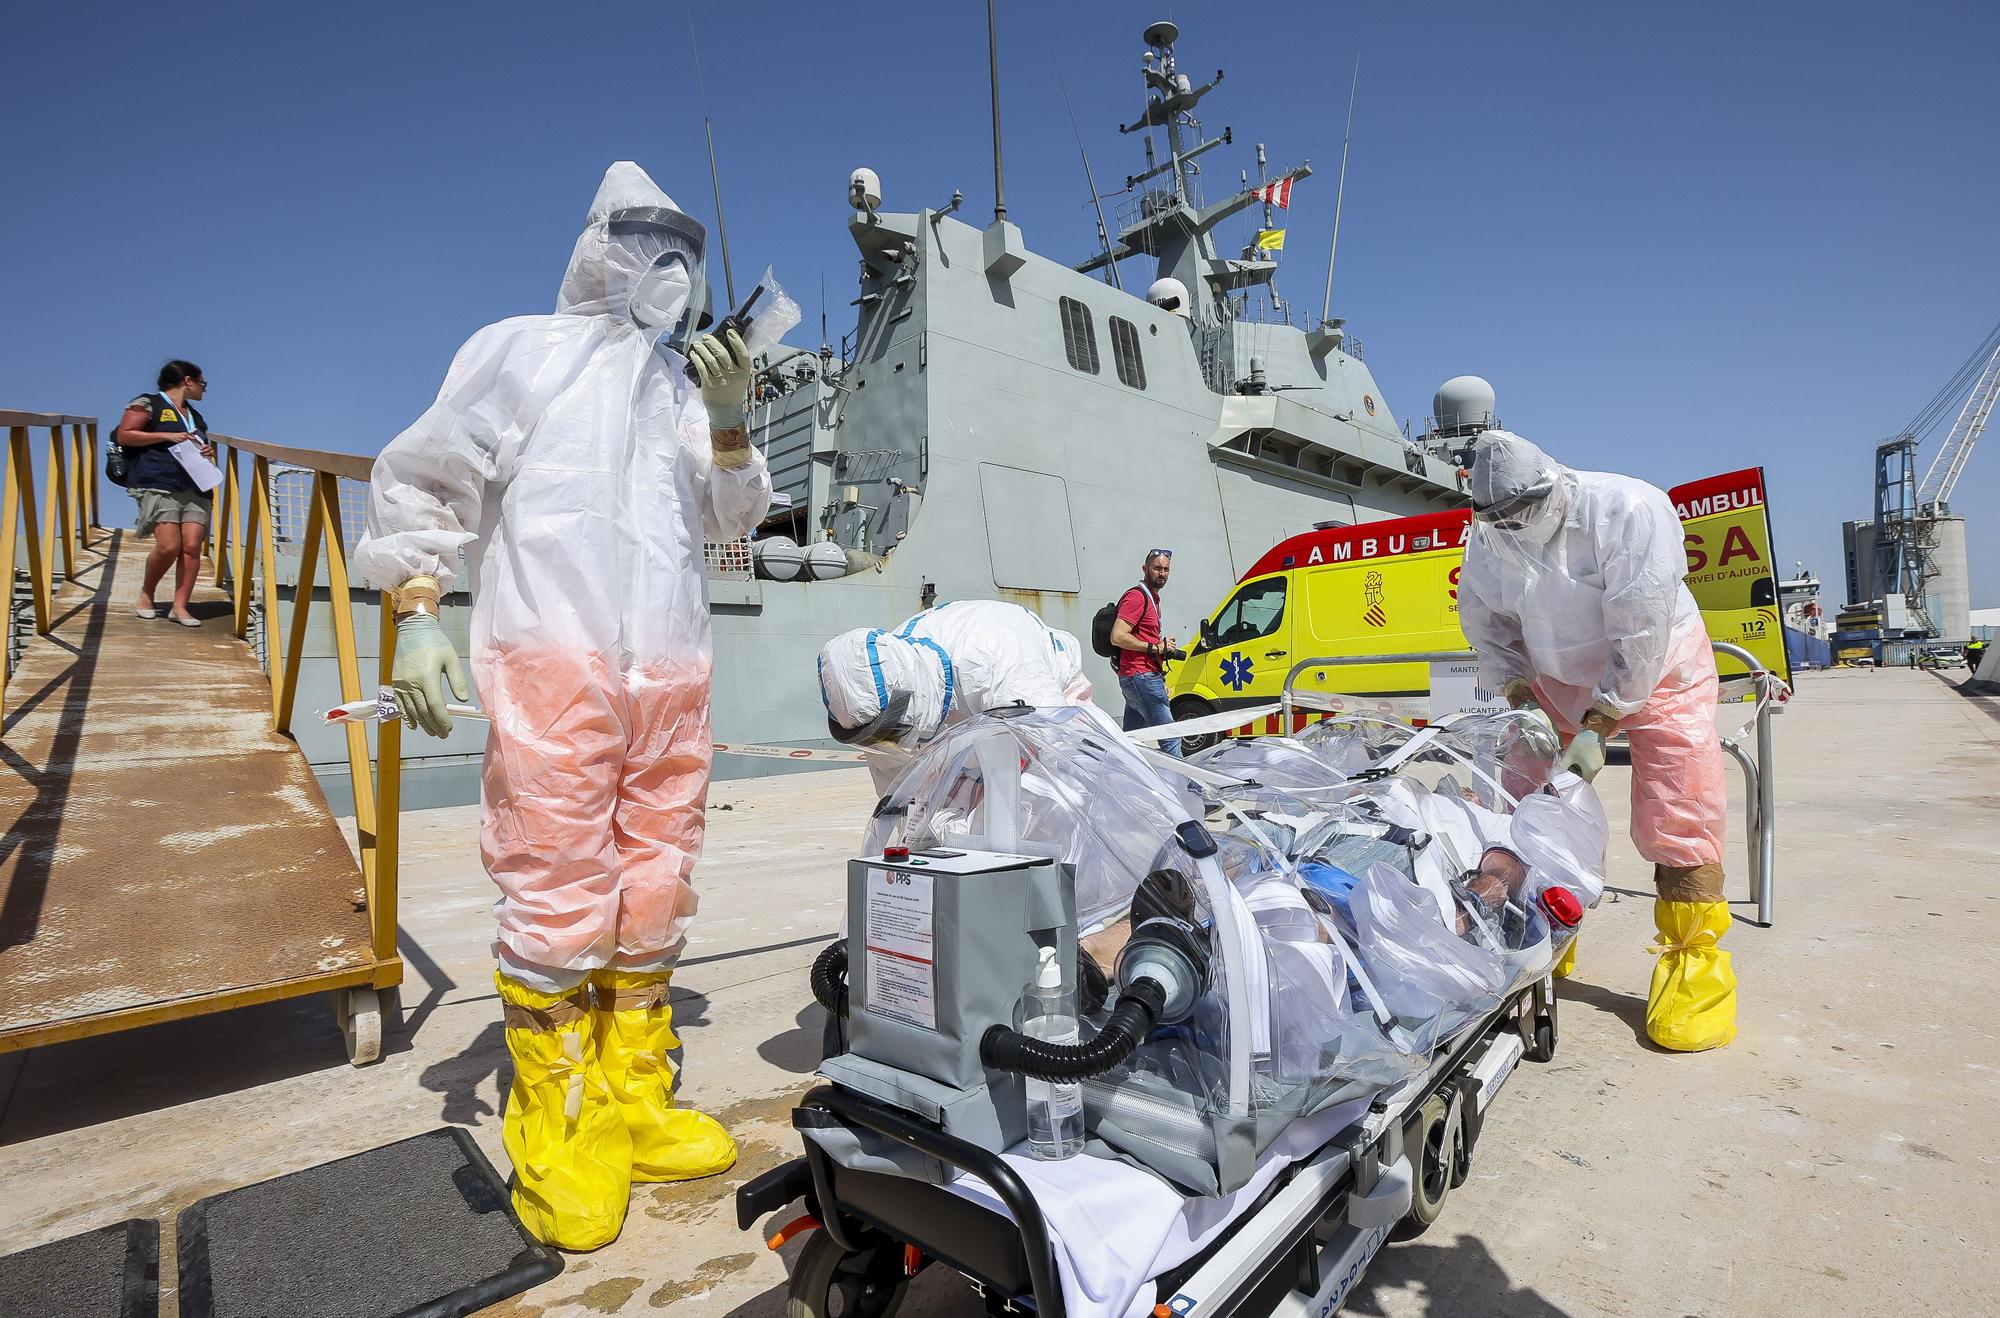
1573, 595
891, 691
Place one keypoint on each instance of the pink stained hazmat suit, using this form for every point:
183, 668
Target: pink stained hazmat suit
568, 458
1574, 584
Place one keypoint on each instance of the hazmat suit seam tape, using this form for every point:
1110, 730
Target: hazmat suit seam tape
949, 676
637, 999
875, 668
565, 1011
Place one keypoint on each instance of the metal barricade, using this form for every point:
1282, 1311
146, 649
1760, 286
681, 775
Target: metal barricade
1759, 773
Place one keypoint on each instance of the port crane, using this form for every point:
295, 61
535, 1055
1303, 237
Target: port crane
1907, 509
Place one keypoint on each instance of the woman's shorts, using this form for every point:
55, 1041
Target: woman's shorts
156, 506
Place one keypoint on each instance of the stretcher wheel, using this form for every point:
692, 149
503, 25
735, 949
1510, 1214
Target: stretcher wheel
1543, 1048
829, 1282
359, 1011
1435, 1148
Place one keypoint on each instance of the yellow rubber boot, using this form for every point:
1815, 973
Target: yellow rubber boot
572, 1156
1692, 1004
635, 1036
1566, 966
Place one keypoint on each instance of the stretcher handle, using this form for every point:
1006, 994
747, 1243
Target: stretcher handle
988, 1167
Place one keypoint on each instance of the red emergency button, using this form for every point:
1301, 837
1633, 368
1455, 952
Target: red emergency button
903, 853
1562, 906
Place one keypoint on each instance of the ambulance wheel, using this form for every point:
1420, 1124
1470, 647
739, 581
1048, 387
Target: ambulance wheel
1434, 1148
1188, 707
829, 1282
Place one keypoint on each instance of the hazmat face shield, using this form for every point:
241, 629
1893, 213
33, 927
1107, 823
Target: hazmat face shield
639, 258
1516, 488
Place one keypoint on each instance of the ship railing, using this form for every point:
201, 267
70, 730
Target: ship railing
311, 501
67, 524
1759, 772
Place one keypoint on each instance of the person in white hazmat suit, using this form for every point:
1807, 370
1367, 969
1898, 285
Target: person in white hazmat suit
579, 471
1573, 593
891, 691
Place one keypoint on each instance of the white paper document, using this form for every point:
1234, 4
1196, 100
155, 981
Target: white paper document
205, 473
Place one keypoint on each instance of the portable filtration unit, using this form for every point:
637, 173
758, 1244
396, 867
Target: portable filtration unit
940, 945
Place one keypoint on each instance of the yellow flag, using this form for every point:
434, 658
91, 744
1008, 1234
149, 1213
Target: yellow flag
1270, 240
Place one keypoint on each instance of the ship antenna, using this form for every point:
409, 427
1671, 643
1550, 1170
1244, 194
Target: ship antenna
993, 77
1089, 178
1340, 193
714, 179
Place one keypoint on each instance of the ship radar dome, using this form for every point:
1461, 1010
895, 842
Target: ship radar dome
1169, 294
864, 189
1463, 405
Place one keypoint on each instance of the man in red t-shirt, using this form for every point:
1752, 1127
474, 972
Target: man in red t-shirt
1142, 651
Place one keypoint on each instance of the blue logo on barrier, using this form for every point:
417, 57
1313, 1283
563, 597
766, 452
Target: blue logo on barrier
1236, 671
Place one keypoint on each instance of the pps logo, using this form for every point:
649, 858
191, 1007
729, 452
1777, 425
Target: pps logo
1236, 672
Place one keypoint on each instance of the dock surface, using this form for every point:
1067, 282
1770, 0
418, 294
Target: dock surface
164, 849
1838, 1157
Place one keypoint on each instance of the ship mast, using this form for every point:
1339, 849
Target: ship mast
1172, 224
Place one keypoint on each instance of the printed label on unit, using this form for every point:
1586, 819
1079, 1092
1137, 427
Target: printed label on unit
901, 946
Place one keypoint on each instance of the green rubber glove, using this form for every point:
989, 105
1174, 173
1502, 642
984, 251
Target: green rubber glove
1584, 756
724, 368
424, 660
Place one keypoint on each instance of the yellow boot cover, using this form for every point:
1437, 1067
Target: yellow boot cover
572, 1157
1692, 1004
635, 1037
1567, 965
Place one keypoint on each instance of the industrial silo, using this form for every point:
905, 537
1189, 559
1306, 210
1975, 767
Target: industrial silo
1949, 598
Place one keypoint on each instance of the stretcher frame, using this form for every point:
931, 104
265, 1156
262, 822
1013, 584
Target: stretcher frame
1300, 1250
1760, 789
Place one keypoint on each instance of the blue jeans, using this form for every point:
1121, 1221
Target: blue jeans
1146, 706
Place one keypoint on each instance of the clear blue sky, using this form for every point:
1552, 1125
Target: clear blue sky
1678, 239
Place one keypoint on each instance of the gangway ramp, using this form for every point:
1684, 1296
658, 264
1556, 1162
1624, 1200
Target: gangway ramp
167, 852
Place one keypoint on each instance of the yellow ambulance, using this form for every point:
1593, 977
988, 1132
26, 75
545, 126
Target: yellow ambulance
1382, 588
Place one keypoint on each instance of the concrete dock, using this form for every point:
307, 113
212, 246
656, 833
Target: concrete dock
1839, 1157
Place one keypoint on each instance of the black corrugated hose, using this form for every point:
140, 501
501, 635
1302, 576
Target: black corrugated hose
1138, 1010
829, 978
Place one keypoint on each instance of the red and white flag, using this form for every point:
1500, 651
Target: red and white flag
1279, 194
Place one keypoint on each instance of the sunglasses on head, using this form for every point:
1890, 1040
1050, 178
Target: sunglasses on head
1159, 553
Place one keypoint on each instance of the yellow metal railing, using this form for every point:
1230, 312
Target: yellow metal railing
245, 550
68, 513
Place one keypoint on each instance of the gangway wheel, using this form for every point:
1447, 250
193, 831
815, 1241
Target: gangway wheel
829, 1282
1434, 1143
359, 1011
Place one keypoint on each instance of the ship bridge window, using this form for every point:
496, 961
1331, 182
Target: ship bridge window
1125, 354
1079, 336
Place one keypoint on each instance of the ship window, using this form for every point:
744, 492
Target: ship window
1125, 354
1079, 336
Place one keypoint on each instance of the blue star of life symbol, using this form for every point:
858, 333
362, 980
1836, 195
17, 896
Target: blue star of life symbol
1236, 671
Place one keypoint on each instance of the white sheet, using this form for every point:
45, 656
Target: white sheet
1115, 1227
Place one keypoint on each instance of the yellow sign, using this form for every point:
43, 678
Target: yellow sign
1270, 240
1730, 569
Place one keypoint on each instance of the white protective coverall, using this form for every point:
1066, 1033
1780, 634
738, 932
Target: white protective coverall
1574, 583
568, 457
952, 661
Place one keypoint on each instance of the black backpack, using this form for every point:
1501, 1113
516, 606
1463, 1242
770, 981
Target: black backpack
1100, 627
